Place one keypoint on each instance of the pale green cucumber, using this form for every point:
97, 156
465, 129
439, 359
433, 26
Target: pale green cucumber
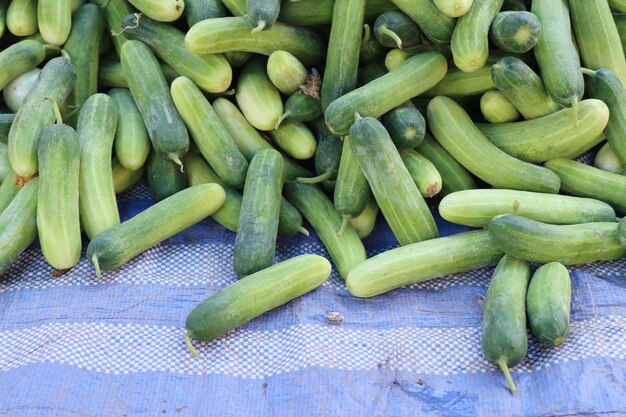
607, 160
436, 26
54, 18
453, 8
423, 172
258, 99
123, 178
21, 18
132, 144
497, 108
295, 139
16, 90
160, 10
458, 83
364, 223
286, 72
20, 58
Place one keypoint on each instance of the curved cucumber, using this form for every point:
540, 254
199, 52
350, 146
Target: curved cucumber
21, 17
497, 108
199, 10
164, 177
262, 13
394, 29
364, 223
320, 12
302, 107
453, 8
548, 303
351, 188
436, 26
124, 179
20, 58
114, 247
258, 99
54, 18
160, 10
423, 172
515, 31
606, 160
286, 72
406, 126
458, 83
132, 144
295, 139
8, 191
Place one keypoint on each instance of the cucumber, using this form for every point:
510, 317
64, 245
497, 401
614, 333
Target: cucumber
504, 339
252, 296
20, 58
621, 232
456, 132
236, 59
258, 99
514, 31
5, 164
344, 46
227, 34
301, 107
208, 132
96, 131
423, 172
114, 247
58, 220
371, 50
568, 244
553, 136
555, 52
416, 75
406, 126
470, 40
327, 155
199, 10
164, 177
606, 160
160, 10
397, 195
286, 72
477, 207
236, 7
123, 178
212, 73
320, 12
395, 57
18, 224
115, 11
262, 13
56, 80
132, 144
8, 191
54, 18
619, 5
371, 72
16, 90
497, 108
597, 36
295, 139
421, 262
436, 26
364, 223
394, 29
548, 304
6, 121
458, 83
151, 93
111, 74
453, 8
585, 181
21, 18
346, 251
4, 4
520, 84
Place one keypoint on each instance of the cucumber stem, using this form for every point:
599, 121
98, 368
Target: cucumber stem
505, 369
177, 161
303, 231
192, 349
587, 71
344, 224
55, 108
393, 35
66, 55
137, 17
281, 119
367, 34
315, 180
94, 261
259, 27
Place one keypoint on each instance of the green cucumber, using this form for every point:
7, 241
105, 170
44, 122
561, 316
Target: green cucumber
16, 90
497, 108
320, 12
225, 34
18, 224
115, 11
160, 10
620, 23
364, 223
621, 232
21, 18
456, 132
416, 75
327, 155
286, 72
54, 18
4, 5
295, 139
208, 132
262, 13
8, 191
132, 144
568, 244
111, 74
6, 121
397, 195
477, 207
421, 262
394, 29
607, 160
236, 7
301, 107
619, 5
254, 295
114, 247
5, 163
212, 73
585, 181
436, 26
470, 40
20, 58
371, 50
123, 178
236, 59
371, 72
555, 52
504, 339
258, 99
548, 303
423, 172
458, 83
55, 81
199, 10
513, 31
395, 57
164, 177
151, 93
453, 8
556, 135
58, 220
406, 126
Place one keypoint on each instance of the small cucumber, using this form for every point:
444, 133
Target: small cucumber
423, 172
504, 338
160, 10
286, 72
320, 12
422, 261
295, 139
6, 121
456, 132
199, 10
453, 8
58, 220
262, 13
406, 126
548, 303
124, 179
515, 32
301, 107
16, 90
54, 18
436, 26
458, 83
258, 99
477, 207
394, 29
254, 295
364, 223
164, 177
8, 191
132, 144
20, 58
21, 19
114, 247
497, 108
371, 50
327, 155
607, 160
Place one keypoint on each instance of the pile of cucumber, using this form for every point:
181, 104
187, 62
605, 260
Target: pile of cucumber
266, 113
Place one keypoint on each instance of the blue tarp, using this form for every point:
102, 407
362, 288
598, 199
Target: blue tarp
74, 345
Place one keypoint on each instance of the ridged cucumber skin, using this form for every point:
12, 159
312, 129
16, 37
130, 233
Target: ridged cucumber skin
21, 19
421, 262
453, 8
8, 191
54, 18
320, 12
497, 108
351, 188
5, 164
123, 178
586, 181
212, 73
256, 96
58, 221
414, 76
548, 303
364, 223
6, 121
56, 80
516, 80
19, 58
252, 296
164, 177
111, 74
97, 122
286, 72
132, 144
597, 37
114, 247
556, 54
515, 31
457, 83
208, 132
151, 93
606, 160
346, 251
394, 29
556, 135
568, 244
18, 224
199, 10
406, 126
504, 337
295, 139
301, 107
456, 132
160, 10
344, 48
621, 232
436, 26
248, 139
225, 34
395, 191
477, 207
255, 245
262, 13
423, 172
